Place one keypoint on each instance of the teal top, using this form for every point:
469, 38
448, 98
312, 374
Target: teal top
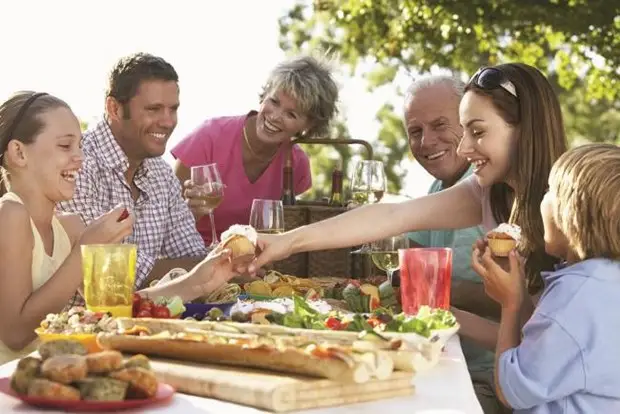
460, 241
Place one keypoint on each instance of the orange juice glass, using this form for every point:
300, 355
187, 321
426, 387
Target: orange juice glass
109, 273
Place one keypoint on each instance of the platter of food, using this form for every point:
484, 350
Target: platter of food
414, 343
65, 376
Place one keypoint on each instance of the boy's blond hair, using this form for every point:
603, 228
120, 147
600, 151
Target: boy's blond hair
586, 184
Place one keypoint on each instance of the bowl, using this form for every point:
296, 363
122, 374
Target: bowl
202, 308
88, 340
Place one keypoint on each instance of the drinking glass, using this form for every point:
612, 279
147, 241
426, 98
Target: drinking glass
210, 189
425, 278
368, 184
267, 216
109, 272
384, 253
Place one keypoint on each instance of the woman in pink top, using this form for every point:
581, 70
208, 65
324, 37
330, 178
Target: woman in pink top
298, 99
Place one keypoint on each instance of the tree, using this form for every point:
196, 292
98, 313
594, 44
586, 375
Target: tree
568, 37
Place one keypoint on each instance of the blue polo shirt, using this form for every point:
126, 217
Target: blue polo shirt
569, 357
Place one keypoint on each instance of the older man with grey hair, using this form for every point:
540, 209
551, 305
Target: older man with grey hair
431, 117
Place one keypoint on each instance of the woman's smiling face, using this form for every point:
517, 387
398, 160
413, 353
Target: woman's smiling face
488, 141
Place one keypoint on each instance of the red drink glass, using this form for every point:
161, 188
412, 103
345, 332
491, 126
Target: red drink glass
425, 275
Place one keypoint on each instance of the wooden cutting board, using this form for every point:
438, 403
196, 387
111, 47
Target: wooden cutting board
274, 391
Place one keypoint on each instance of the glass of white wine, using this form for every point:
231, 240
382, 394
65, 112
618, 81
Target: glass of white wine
211, 189
267, 216
368, 184
384, 253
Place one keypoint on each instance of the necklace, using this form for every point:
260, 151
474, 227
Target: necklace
254, 154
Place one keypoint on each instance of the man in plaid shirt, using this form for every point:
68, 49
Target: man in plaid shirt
123, 165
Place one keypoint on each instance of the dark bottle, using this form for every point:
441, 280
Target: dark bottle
288, 196
336, 196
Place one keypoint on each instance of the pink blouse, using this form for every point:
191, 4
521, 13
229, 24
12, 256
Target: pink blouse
219, 140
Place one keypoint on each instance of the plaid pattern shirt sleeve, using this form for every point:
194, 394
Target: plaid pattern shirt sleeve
183, 239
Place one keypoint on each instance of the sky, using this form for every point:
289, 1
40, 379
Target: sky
222, 50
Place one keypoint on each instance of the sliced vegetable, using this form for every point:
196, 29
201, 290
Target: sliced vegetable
370, 290
374, 303
175, 306
386, 290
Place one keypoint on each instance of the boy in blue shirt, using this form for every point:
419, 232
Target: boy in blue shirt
566, 359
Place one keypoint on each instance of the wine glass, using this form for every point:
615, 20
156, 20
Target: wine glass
368, 184
384, 253
267, 216
210, 189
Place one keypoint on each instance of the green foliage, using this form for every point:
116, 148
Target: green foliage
563, 35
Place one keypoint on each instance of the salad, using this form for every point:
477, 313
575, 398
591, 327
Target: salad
308, 315
78, 320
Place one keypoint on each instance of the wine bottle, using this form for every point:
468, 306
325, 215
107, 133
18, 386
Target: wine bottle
336, 196
288, 197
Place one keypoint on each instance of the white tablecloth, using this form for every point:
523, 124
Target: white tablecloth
445, 389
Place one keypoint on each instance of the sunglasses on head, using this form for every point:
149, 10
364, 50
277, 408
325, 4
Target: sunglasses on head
493, 78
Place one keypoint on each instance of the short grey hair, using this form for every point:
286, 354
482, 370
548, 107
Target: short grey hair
309, 81
427, 81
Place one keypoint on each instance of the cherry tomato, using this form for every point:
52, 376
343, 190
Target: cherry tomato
123, 216
161, 311
147, 305
143, 313
334, 324
373, 322
135, 303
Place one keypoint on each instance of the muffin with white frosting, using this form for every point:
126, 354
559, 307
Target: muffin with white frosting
503, 239
241, 240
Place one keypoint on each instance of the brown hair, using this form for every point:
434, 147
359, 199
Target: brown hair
537, 118
127, 74
585, 181
20, 120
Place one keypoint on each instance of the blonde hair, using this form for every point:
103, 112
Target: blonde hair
586, 181
308, 80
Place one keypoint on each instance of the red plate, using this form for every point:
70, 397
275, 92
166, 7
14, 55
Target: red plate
164, 393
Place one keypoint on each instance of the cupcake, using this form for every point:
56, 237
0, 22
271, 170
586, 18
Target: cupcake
241, 240
503, 239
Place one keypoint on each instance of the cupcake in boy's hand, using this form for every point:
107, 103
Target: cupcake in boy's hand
241, 240
503, 239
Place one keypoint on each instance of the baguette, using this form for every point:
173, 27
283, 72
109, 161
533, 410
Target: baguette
317, 360
408, 357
